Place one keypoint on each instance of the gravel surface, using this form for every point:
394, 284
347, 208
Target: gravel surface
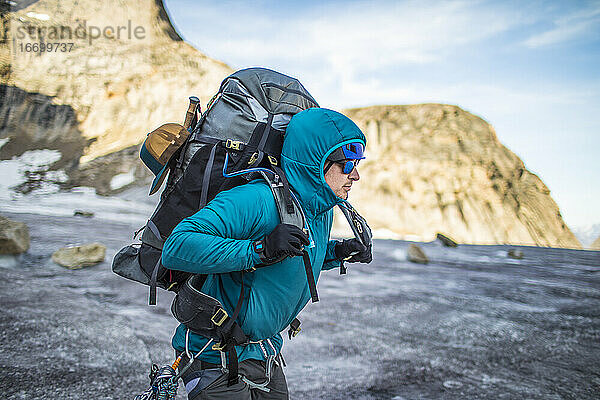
471, 324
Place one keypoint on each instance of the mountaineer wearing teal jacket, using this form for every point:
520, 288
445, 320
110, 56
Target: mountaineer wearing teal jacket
319, 155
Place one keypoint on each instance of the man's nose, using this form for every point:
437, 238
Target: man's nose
354, 175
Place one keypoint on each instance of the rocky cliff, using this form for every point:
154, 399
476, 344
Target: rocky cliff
116, 69
437, 168
595, 245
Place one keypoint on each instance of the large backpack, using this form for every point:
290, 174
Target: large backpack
238, 138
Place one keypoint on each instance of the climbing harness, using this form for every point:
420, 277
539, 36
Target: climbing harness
163, 385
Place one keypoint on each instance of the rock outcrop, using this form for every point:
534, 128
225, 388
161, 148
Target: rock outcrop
14, 236
595, 245
433, 167
32, 121
75, 257
445, 240
515, 253
416, 254
123, 71
102, 171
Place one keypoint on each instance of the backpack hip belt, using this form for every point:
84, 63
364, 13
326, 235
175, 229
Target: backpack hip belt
206, 316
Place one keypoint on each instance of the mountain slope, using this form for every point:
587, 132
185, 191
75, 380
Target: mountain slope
118, 87
437, 168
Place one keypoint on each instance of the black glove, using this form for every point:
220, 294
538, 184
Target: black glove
285, 241
354, 249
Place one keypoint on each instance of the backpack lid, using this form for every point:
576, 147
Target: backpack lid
276, 93
158, 149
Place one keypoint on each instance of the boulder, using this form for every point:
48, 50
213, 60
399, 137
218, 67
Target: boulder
516, 254
446, 241
14, 236
76, 257
416, 254
81, 213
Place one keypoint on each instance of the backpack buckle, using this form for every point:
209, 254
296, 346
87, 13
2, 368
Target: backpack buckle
218, 347
272, 160
276, 181
295, 332
294, 328
219, 319
253, 158
233, 144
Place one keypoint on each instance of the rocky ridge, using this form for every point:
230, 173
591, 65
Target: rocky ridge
437, 168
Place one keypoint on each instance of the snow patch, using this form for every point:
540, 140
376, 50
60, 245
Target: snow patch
3, 142
14, 172
399, 254
450, 384
63, 204
8, 261
41, 17
39, 158
121, 180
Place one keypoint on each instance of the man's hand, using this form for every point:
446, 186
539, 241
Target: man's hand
286, 240
352, 250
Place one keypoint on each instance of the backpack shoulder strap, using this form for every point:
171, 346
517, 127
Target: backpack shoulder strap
359, 226
357, 223
279, 194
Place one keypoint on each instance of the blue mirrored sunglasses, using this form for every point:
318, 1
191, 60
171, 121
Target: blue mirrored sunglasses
348, 165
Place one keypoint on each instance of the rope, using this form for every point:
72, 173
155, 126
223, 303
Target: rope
163, 386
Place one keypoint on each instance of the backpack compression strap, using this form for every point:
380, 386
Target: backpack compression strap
310, 277
232, 337
359, 226
157, 242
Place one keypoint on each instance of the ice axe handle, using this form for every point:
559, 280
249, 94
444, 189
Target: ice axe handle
191, 116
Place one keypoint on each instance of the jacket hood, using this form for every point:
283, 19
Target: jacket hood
309, 139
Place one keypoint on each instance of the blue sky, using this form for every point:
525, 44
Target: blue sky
531, 69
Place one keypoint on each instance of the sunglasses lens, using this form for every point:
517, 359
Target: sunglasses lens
349, 166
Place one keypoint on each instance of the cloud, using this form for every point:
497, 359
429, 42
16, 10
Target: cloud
344, 48
366, 34
573, 26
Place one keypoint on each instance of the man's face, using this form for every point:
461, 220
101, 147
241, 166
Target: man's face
339, 182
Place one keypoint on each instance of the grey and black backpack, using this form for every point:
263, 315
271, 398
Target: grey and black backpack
238, 138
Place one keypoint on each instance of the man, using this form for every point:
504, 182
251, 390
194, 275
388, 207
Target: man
240, 228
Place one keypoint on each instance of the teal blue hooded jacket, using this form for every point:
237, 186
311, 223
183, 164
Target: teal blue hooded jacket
218, 239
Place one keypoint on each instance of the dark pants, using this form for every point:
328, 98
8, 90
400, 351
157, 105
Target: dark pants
211, 383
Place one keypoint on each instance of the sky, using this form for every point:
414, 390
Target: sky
531, 69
